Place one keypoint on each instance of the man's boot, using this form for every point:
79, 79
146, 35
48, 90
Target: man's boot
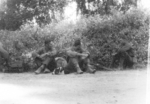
40, 69
121, 64
79, 71
47, 70
90, 70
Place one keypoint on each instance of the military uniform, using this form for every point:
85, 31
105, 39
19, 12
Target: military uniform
125, 56
78, 59
4, 56
44, 58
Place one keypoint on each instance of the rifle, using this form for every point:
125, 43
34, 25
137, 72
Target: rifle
98, 66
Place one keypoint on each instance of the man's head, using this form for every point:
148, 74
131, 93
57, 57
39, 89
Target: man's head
123, 42
48, 43
126, 43
77, 42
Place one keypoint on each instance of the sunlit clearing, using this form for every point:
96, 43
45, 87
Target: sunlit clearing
0, 2
145, 4
2, 6
14, 94
70, 12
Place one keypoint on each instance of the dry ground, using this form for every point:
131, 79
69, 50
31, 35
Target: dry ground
104, 87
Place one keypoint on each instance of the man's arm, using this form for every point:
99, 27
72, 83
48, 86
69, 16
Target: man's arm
51, 53
3, 52
38, 53
74, 53
85, 52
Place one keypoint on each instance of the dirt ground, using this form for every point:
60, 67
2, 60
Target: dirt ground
103, 87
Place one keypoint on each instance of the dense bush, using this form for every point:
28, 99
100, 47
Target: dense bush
106, 33
100, 34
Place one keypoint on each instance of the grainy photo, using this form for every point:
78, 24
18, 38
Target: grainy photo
74, 52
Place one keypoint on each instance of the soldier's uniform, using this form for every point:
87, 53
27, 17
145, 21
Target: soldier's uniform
44, 58
78, 59
4, 56
125, 56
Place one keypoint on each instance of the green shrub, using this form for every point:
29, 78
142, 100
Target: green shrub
100, 34
106, 32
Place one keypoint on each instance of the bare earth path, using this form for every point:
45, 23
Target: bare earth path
104, 87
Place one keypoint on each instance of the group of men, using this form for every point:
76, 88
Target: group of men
76, 59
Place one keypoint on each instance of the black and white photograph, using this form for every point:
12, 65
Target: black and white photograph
74, 52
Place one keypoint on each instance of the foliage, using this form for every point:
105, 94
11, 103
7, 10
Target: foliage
103, 7
20, 11
15, 13
101, 35
106, 32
